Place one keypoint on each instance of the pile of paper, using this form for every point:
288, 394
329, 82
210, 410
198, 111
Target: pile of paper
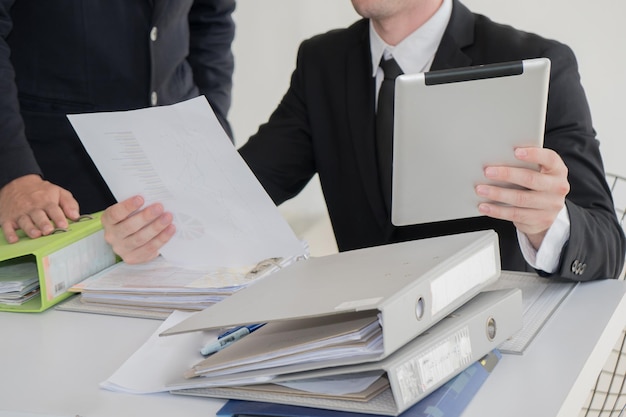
388, 386
376, 321
18, 283
160, 287
303, 361
142, 374
282, 347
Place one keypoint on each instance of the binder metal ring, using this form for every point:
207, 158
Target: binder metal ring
84, 217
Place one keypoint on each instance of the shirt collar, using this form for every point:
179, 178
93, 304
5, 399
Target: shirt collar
416, 52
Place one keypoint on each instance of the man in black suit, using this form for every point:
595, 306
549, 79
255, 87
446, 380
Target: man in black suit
560, 222
74, 56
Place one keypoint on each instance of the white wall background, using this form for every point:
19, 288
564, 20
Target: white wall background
269, 32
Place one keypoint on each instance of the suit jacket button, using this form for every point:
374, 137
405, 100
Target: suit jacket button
578, 267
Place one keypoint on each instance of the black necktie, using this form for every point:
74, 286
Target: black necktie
384, 126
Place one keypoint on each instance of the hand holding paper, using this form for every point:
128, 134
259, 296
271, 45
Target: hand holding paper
180, 156
140, 237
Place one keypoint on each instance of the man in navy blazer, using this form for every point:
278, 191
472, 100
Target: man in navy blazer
74, 56
560, 222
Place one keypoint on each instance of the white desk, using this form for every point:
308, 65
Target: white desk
51, 363
557, 371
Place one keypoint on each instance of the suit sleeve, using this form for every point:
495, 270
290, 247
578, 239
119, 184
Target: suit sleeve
212, 30
596, 245
281, 153
16, 156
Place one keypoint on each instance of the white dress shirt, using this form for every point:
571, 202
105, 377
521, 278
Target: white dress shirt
416, 53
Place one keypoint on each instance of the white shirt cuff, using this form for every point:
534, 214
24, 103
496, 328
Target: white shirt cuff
547, 257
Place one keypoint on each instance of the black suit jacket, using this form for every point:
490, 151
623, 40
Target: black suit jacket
325, 125
75, 56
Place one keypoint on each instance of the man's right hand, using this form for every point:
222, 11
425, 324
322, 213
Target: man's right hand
137, 233
36, 206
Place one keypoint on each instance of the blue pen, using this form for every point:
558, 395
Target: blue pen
229, 337
251, 327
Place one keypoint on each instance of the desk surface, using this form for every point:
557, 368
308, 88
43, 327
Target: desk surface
51, 363
559, 368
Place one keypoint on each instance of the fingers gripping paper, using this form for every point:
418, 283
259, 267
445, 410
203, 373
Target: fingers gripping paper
179, 155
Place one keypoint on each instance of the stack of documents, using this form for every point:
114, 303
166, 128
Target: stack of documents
279, 347
18, 283
229, 232
369, 330
395, 383
367, 385
157, 288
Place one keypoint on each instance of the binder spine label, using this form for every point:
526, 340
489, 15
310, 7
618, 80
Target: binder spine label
75, 262
433, 366
460, 279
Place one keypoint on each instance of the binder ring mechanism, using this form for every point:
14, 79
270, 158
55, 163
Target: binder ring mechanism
491, 329
420, 307
80, 218
264, 266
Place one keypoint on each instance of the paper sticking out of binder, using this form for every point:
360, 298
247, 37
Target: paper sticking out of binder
400, 290
292, 345
409, 286
35, 274
410, 374
449, 400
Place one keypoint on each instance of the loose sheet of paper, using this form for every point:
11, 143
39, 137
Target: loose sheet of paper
179, 155
160, 361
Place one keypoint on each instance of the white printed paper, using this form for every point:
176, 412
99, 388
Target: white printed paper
160, 361
179, 155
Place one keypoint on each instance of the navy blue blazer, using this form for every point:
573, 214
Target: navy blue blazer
73, 56
325, 124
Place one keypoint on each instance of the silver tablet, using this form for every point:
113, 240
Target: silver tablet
450, 124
